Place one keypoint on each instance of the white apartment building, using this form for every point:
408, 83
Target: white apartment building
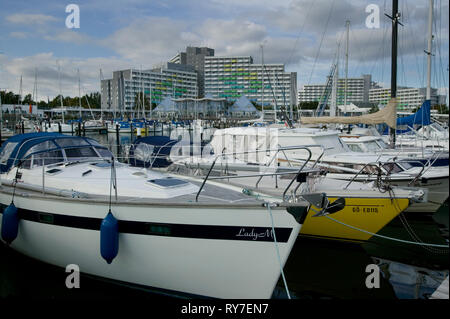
235, 76
173, 80
357, 90
408, 98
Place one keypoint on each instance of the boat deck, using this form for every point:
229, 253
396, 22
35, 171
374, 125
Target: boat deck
211, 196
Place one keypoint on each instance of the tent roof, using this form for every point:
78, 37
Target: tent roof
243, 104
166, 105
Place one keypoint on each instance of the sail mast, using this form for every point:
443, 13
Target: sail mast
347, 24
429, 52
395, 17
60, 93
79, 92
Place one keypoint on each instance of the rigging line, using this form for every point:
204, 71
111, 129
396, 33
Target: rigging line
365, 51
439, 46
401, 53
321, 41
438, 50
410, 31
385, 237
298, 37
381, 48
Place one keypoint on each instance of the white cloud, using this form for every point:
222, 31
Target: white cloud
30, 19
18, 35
46, 65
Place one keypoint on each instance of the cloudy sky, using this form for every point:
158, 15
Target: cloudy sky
302, 34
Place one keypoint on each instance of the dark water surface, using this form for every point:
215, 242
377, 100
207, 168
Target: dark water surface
316, 269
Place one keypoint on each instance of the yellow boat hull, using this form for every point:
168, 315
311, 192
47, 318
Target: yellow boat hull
369, 214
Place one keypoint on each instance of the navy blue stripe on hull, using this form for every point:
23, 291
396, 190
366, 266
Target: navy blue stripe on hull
248, 233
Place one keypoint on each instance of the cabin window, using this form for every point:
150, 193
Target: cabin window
355, 147
6, 152
80, 152
103, 152
392, 168
406, 165
372, 146
40, 147
66, 142
382, 144
143, 152
47, 158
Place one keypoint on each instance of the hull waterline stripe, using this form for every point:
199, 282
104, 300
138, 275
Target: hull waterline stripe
247, 233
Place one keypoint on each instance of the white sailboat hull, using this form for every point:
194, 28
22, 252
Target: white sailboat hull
199, 263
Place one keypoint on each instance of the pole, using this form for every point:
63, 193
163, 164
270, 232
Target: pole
262, 81
429, 52
395, 17
79, 92
347, 23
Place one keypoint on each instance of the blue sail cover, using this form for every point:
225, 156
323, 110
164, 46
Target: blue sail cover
422, 117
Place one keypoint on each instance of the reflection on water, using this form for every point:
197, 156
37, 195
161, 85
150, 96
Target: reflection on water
410, 282
316, 269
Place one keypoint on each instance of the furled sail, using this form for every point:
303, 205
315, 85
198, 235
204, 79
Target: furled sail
387, 115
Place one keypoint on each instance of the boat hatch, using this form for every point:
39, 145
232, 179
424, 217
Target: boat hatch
102, 164
168, 182
53, 171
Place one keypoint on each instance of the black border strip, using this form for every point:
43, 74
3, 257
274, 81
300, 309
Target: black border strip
246, 233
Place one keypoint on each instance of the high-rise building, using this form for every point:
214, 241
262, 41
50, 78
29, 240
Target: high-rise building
357, 90
235, 76
173, 80
195, 57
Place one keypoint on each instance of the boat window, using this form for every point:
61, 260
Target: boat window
6, 152
392, 168
382, 144
105, 153
80, 152
406, 165
40, 147
47, 158
370, 169
143, 152
94, 142
355, 147
437, 127
372, 146
66, 142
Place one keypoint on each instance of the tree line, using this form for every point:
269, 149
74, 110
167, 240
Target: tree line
92, 100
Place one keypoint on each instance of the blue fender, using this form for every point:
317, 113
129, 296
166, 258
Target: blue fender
109, 238
10, 224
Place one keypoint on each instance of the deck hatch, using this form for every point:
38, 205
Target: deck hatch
167, 182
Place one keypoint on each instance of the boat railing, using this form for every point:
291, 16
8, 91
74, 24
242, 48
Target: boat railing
390, 160
289, 162
277, 150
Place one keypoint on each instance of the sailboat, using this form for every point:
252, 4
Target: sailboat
66, 200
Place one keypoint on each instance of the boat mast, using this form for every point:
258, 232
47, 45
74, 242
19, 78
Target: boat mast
60, 93
79, 92
429, 51
335, 85
395, 17
20, 91
347, 24
262, 81
101, 108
